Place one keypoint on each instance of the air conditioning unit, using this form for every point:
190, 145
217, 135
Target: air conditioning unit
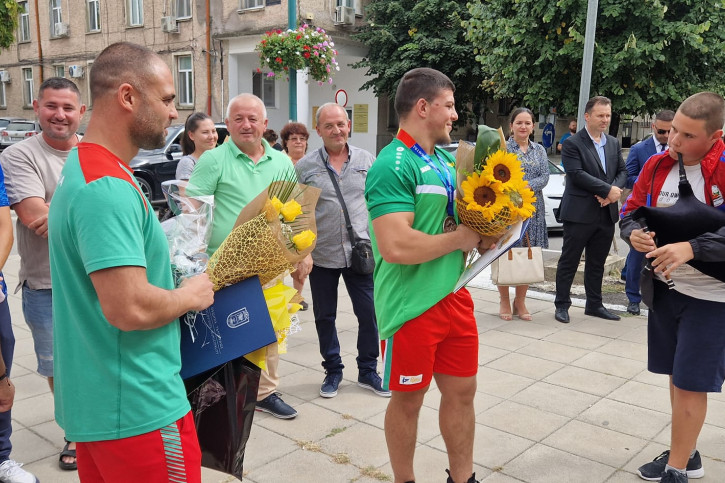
75, 71
61, 29
4, 76
169, 25
345, 16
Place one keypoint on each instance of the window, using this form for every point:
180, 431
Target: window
183, 8
59, 70
28, 87
93, 15
24, 35
134, 12
264, 88
184, 80
251, 4
56, 18
3, 101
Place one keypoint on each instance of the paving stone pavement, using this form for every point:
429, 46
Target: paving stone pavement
555, 403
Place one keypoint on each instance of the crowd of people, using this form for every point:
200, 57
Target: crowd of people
100, 300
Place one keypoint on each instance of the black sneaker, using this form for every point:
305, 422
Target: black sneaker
330, 384
472, 479
274, 405
371, 380
673, 476
653, 470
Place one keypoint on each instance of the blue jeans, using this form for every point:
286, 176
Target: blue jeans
323, 285
634, 271
7, 345
38, 312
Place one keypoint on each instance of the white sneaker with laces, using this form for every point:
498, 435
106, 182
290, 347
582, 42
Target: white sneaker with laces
11, 472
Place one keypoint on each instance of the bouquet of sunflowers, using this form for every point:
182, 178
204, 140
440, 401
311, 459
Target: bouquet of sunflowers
492, 193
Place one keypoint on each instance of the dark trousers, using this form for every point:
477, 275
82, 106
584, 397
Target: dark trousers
7, 345
635, 260
323, 285
595, 238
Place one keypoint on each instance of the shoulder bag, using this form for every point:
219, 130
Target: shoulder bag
519, 266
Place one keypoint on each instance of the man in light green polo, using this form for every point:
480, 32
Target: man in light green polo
235, 173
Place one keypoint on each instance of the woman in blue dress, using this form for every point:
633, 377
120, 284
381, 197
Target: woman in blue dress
535, 165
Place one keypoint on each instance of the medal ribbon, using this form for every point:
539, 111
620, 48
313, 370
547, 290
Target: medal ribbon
447, 181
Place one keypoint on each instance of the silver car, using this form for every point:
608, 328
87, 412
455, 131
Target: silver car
16, 131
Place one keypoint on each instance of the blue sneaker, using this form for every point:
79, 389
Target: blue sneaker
653, 470
371, 380
330, 384
274, 405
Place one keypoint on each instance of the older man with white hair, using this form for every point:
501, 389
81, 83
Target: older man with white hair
235, 173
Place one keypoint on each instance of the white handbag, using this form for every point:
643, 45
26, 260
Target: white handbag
519, 266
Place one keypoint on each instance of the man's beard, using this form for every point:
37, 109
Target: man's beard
143, 132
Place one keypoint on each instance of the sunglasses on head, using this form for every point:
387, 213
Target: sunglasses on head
663, 131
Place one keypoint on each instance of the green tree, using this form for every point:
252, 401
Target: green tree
9, 12
402, 35
649, 54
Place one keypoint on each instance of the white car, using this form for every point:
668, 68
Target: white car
553, 191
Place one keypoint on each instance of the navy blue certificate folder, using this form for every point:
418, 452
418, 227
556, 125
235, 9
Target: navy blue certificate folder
237, 323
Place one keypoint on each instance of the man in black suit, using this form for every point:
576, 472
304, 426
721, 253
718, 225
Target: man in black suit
595, 175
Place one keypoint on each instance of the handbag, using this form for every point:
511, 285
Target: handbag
519, 266
362, 260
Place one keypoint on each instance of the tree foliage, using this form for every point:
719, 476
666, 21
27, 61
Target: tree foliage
402, 35
9, 12
649, 54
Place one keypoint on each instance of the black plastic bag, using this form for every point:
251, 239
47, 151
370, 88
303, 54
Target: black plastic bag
222, 402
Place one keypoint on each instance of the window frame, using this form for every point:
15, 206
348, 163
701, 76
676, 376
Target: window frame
28, 86
130, 4
89, 11
55, 14
187, 7
259, 5
3, 96
184, 80
260, 87
62, 70
24, 23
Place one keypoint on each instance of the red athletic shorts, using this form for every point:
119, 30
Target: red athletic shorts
169, 454
442, 340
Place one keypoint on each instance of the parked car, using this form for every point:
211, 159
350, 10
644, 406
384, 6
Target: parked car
553, 191
16, 130
153, 167
4, 121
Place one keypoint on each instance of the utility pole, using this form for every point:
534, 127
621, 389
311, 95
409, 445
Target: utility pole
586, 79
292, 21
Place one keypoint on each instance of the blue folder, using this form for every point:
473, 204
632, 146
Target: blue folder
237, 323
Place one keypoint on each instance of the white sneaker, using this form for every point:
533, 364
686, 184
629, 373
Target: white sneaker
11, 472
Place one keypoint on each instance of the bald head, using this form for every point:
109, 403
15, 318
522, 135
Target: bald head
123, 62
326, 106
247, 98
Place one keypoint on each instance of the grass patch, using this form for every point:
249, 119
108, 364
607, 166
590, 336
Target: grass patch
309, 446
341, 458
372, 472
335, 431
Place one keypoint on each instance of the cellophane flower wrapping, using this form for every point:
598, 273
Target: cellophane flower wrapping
189, 231
492, 194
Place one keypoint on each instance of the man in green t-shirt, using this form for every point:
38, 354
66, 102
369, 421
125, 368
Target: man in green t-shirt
235, 173
116, 336
427, 330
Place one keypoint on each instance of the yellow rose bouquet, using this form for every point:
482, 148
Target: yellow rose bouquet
492, 193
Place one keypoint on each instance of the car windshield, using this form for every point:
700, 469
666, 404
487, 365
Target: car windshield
21, 126
4, 123
554, 169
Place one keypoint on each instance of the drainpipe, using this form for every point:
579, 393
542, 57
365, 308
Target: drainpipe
292, 20
40, 47
208, 59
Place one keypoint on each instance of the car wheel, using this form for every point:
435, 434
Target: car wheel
145, 188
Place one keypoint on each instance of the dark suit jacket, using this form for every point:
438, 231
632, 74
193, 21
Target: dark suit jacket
586, 178
638, 155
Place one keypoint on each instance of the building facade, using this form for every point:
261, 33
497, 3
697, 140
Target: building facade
208, 44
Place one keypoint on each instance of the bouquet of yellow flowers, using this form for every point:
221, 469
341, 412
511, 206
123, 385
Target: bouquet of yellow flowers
492, 193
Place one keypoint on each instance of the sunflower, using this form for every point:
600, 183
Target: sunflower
522, 199
504, 167
483, 194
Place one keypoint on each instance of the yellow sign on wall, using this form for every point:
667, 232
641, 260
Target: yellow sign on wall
360, 118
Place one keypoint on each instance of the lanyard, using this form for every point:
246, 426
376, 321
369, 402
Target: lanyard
406, 139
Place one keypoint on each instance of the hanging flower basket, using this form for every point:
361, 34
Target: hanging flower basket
304, 47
